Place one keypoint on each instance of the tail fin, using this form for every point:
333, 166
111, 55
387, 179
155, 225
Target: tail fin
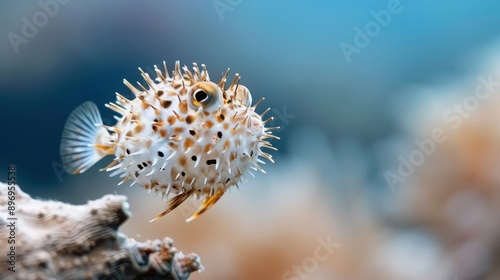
83, 140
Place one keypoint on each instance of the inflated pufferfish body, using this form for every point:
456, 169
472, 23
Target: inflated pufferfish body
182, 136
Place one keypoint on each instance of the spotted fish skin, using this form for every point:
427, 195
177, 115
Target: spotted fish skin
181, 136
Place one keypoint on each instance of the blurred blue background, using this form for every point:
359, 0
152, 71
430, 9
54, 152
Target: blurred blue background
286, 51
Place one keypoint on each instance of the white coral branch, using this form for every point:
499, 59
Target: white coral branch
56, 240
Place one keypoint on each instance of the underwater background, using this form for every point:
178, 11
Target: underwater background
389, 114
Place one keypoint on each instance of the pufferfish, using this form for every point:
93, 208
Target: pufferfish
182, 136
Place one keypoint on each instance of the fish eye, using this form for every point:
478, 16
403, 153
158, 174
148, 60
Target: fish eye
206, 95
200, 95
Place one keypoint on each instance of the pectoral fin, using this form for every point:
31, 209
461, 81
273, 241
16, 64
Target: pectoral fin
174, 202
207, 203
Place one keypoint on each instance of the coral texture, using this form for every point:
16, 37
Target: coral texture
56, 240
